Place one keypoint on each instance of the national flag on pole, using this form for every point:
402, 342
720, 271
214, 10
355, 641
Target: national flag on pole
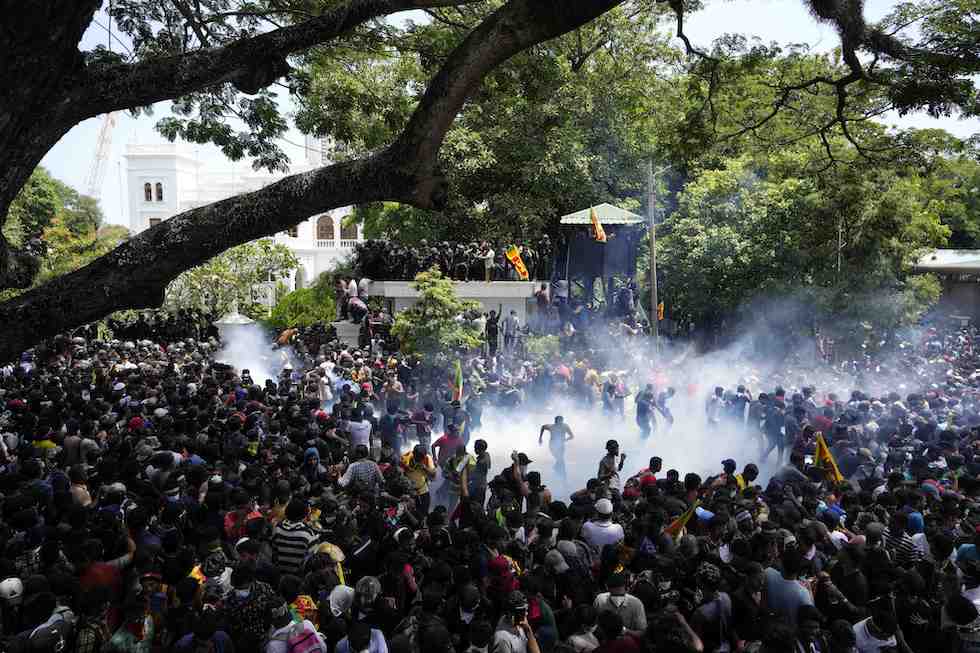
514, 256
457, 383
825, 459
674, 530
660, 312
598, 233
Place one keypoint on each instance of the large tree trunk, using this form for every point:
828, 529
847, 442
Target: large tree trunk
40, 51
136, 273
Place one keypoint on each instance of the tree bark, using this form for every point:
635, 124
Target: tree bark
136, 273
40, 48
41, 45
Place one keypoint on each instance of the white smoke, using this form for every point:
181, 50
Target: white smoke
248, 347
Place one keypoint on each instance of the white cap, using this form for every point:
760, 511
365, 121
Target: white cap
604, 507
12, 591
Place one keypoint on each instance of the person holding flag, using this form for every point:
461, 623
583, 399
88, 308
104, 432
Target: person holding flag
677, 526
825, 460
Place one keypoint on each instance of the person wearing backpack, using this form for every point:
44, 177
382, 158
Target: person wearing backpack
287, 635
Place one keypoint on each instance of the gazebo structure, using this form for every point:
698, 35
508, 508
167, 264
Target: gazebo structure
580, 260
959, 272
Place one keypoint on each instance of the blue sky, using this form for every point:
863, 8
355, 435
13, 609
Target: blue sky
771, 20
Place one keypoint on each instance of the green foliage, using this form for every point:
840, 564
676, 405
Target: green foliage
303, 307
747, 230
228, 279
35, 206
431, 325
556, 128
79, 213
69, 248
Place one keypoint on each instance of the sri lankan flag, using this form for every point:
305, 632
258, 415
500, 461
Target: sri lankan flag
825, 459
514, 256
457, 383
598, 233
674, 530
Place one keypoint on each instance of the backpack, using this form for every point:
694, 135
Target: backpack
300, 639
52, 638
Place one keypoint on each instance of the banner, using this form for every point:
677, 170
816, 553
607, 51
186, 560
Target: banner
515, 259
674, 530
825, 459
598, 233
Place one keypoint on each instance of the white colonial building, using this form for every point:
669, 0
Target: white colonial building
164, 180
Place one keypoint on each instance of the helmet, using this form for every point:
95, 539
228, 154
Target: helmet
12, 591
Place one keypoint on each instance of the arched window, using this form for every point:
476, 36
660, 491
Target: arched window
325, 228
147, 192
348, 230
159, 192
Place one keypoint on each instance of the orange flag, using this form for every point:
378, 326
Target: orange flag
598, 233
674, 530
514, 256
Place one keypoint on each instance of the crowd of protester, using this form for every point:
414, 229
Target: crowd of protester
154, 499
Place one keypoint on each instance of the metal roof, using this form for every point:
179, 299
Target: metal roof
607, 213
951, 261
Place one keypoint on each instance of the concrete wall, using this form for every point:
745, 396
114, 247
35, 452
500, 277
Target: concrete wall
960, 298
500, 296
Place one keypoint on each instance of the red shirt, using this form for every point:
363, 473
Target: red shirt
625, 644
447, 447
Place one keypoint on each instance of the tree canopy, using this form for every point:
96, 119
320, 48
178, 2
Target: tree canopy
434, 324
541, 88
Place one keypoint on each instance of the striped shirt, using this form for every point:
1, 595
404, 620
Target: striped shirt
903, 549
290, 543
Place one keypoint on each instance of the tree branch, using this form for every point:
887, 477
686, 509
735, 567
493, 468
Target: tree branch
251, 63
136, 273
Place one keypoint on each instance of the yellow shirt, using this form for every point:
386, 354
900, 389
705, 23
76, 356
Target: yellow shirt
416, 473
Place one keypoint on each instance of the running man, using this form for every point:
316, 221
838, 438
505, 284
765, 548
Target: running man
560, 434
646, 419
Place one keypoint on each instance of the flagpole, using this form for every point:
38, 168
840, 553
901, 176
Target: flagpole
654, 304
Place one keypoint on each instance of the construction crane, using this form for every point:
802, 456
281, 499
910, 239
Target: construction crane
96, 173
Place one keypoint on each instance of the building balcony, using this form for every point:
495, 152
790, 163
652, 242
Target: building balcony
331, 243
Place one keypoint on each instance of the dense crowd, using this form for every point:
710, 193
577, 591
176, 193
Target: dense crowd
154, 499
472, 261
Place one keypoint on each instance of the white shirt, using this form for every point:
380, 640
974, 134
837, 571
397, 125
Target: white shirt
352, 288
508, 638
360, 433
599, 534
628, 607
866, 642
278, 639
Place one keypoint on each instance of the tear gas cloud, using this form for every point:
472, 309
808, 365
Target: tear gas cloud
760, 358
248, 347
